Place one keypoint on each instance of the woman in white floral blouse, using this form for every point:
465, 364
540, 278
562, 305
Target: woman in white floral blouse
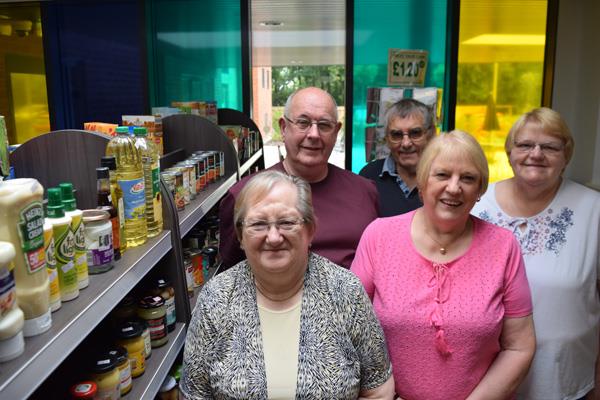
557, 223
285, 323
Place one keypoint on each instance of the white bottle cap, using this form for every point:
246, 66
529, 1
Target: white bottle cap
12, 347
37, 325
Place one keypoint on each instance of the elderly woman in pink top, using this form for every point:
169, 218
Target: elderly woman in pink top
449, 289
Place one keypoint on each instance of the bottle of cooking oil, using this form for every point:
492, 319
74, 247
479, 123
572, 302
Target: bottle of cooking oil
150, 163
130, 180
116, 197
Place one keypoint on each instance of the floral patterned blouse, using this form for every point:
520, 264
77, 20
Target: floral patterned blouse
341, 352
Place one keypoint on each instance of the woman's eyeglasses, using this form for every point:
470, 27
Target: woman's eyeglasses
303, 125
261, 227
415, 134
550, 148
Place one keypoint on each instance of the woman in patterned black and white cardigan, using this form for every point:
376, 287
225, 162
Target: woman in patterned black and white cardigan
285, 323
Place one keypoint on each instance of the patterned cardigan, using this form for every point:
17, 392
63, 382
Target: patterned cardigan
342, 347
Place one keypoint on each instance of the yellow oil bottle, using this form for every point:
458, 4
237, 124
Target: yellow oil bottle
130, 180
150, 164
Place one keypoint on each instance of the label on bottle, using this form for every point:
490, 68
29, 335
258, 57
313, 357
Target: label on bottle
64, 253
51, 266
125, 375
170, 305
157, 328
104, 254
134, 202
156, 198
8, 295
115, 232
31, 233
137, 361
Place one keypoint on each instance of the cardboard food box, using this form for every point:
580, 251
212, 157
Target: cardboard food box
101, 127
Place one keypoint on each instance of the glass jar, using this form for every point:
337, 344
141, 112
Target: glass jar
129, 336
86, 390
164, 289
125, 310
98, 235
124, 366
146, 337
106, 376
152, 309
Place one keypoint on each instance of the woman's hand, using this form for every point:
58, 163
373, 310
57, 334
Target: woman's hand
382, 392
508, 370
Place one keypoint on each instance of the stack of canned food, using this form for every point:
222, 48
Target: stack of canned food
186, 179
200, 252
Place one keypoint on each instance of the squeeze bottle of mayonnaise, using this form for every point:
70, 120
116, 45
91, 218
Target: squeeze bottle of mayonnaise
64, 246
80, 257
11, 316
22, 224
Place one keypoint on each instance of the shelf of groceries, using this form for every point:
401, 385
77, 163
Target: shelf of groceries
76, 318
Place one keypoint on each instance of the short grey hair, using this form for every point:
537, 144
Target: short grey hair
288, 102
261, 184
409, 108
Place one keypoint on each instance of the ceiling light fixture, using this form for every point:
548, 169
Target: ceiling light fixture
271, 23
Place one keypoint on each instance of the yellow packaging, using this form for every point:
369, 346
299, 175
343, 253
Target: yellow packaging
55, 302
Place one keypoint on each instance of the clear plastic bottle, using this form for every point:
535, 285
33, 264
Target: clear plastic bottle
116, 197
150, 163
130, 180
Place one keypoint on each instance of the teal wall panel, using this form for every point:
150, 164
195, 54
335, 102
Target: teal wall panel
380, 25
194, 51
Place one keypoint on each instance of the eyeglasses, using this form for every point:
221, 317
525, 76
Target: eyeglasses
261, 227
303, 125
415, 134
550, 149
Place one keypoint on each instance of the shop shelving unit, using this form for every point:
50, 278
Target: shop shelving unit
73, 155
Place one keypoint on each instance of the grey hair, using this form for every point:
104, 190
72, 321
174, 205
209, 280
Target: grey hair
288, 102
407, 108
261, 184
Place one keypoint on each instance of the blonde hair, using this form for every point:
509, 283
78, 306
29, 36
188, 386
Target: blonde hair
259, 186
550, 121
453, 143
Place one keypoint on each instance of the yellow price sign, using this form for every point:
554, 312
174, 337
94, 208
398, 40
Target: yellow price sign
407, 67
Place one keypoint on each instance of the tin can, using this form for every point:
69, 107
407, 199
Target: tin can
169, 179
212, 172
196, 257
189, 275
182, 183
191, 178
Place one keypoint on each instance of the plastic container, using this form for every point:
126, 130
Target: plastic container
98, 240
151, 167
77, 227
130, 337
11, 316
116, 197
86, 390
152, 310
64, 246
106, 376
124, 366
50, 250
164, 289
22, 221
130, 180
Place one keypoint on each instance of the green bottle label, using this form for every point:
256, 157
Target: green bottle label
31, 233
78, 231
155, 179
64, 243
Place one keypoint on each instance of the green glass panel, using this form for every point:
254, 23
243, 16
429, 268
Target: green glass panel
380, 25
194, 52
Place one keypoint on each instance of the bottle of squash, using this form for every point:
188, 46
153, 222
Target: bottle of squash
22, 224
64, 245
77, 228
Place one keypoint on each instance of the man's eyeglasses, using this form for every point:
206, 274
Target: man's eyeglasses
550, 149
415, 134
261, 227
303, 124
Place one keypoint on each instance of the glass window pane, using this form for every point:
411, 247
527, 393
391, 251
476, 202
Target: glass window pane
500, 71
194, 52
380, 25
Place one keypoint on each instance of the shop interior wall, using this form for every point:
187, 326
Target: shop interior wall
576, 93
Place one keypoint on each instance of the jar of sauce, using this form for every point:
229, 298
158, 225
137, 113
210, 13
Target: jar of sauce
152, 309
22, 219
106, 376
164, 289
86, 390
125, 310
124, 366
129, 336
98, 233
11, 316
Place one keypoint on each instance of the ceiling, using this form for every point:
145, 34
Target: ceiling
313, 32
